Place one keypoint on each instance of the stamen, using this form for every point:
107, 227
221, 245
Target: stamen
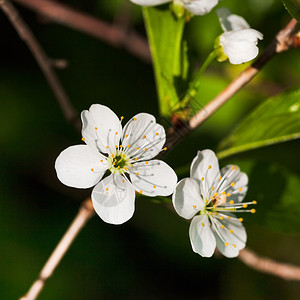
202, 224
96, 128
83, 139
92, 170
209, 167
154, 186
226, 244
253, 211
202, 178
241, 219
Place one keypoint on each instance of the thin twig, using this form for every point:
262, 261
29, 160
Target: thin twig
111, 34
283, 41
44, 62
269, 266
85, 212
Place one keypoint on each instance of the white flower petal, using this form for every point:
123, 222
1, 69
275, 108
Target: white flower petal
236, 240
143, 137
187, 200
229, 21
153, 178
200, 7
80, 166
240, 46
150, 2
101, 128
205, 168
233, 182
202, 238
113, 204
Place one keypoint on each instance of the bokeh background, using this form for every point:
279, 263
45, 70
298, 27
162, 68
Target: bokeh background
150, 256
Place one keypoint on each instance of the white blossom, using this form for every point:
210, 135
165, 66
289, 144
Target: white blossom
196, 7
238, 42
210, 197
124, 153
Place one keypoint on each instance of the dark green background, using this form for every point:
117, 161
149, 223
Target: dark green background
150, 256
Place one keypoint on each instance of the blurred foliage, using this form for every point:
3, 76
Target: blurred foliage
293, 7
150, 256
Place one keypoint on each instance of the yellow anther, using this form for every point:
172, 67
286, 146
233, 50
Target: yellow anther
235, 168
125, 168
234, 245
228, 217
118, 167
209, 167
232, 184
154, 186
146, 149
226, 244
141, 191
123, 180
206, 201
136, 158
231, 202
221, 218
83, 139
137, 174
96, 128
144, 137
112, 156
106, 189
116, 146
106, 147
210, 213
240, 189
137, 148
116, 132
121, 146
220, 177
202, 224
228, 195
253, 210
254, 202
213, 188
128, 146
156, 133
165, 148
131, 165
222, 226
134, 119
126, 135
241, 219
232, 167
101, 160
223, 193
122, 118
216, 194
202, 178
245, 205
146, 162
216, 213
194, 206
92, 170
114, 163
115, 160
231, 231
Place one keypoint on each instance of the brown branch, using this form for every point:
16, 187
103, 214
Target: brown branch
43, 61
111, 34
284, 40
85, 212
269, 266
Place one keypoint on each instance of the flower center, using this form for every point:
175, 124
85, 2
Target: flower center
118, 162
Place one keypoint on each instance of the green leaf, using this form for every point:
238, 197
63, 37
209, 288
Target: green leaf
293, 7
276, 189
169, 53
276, 120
